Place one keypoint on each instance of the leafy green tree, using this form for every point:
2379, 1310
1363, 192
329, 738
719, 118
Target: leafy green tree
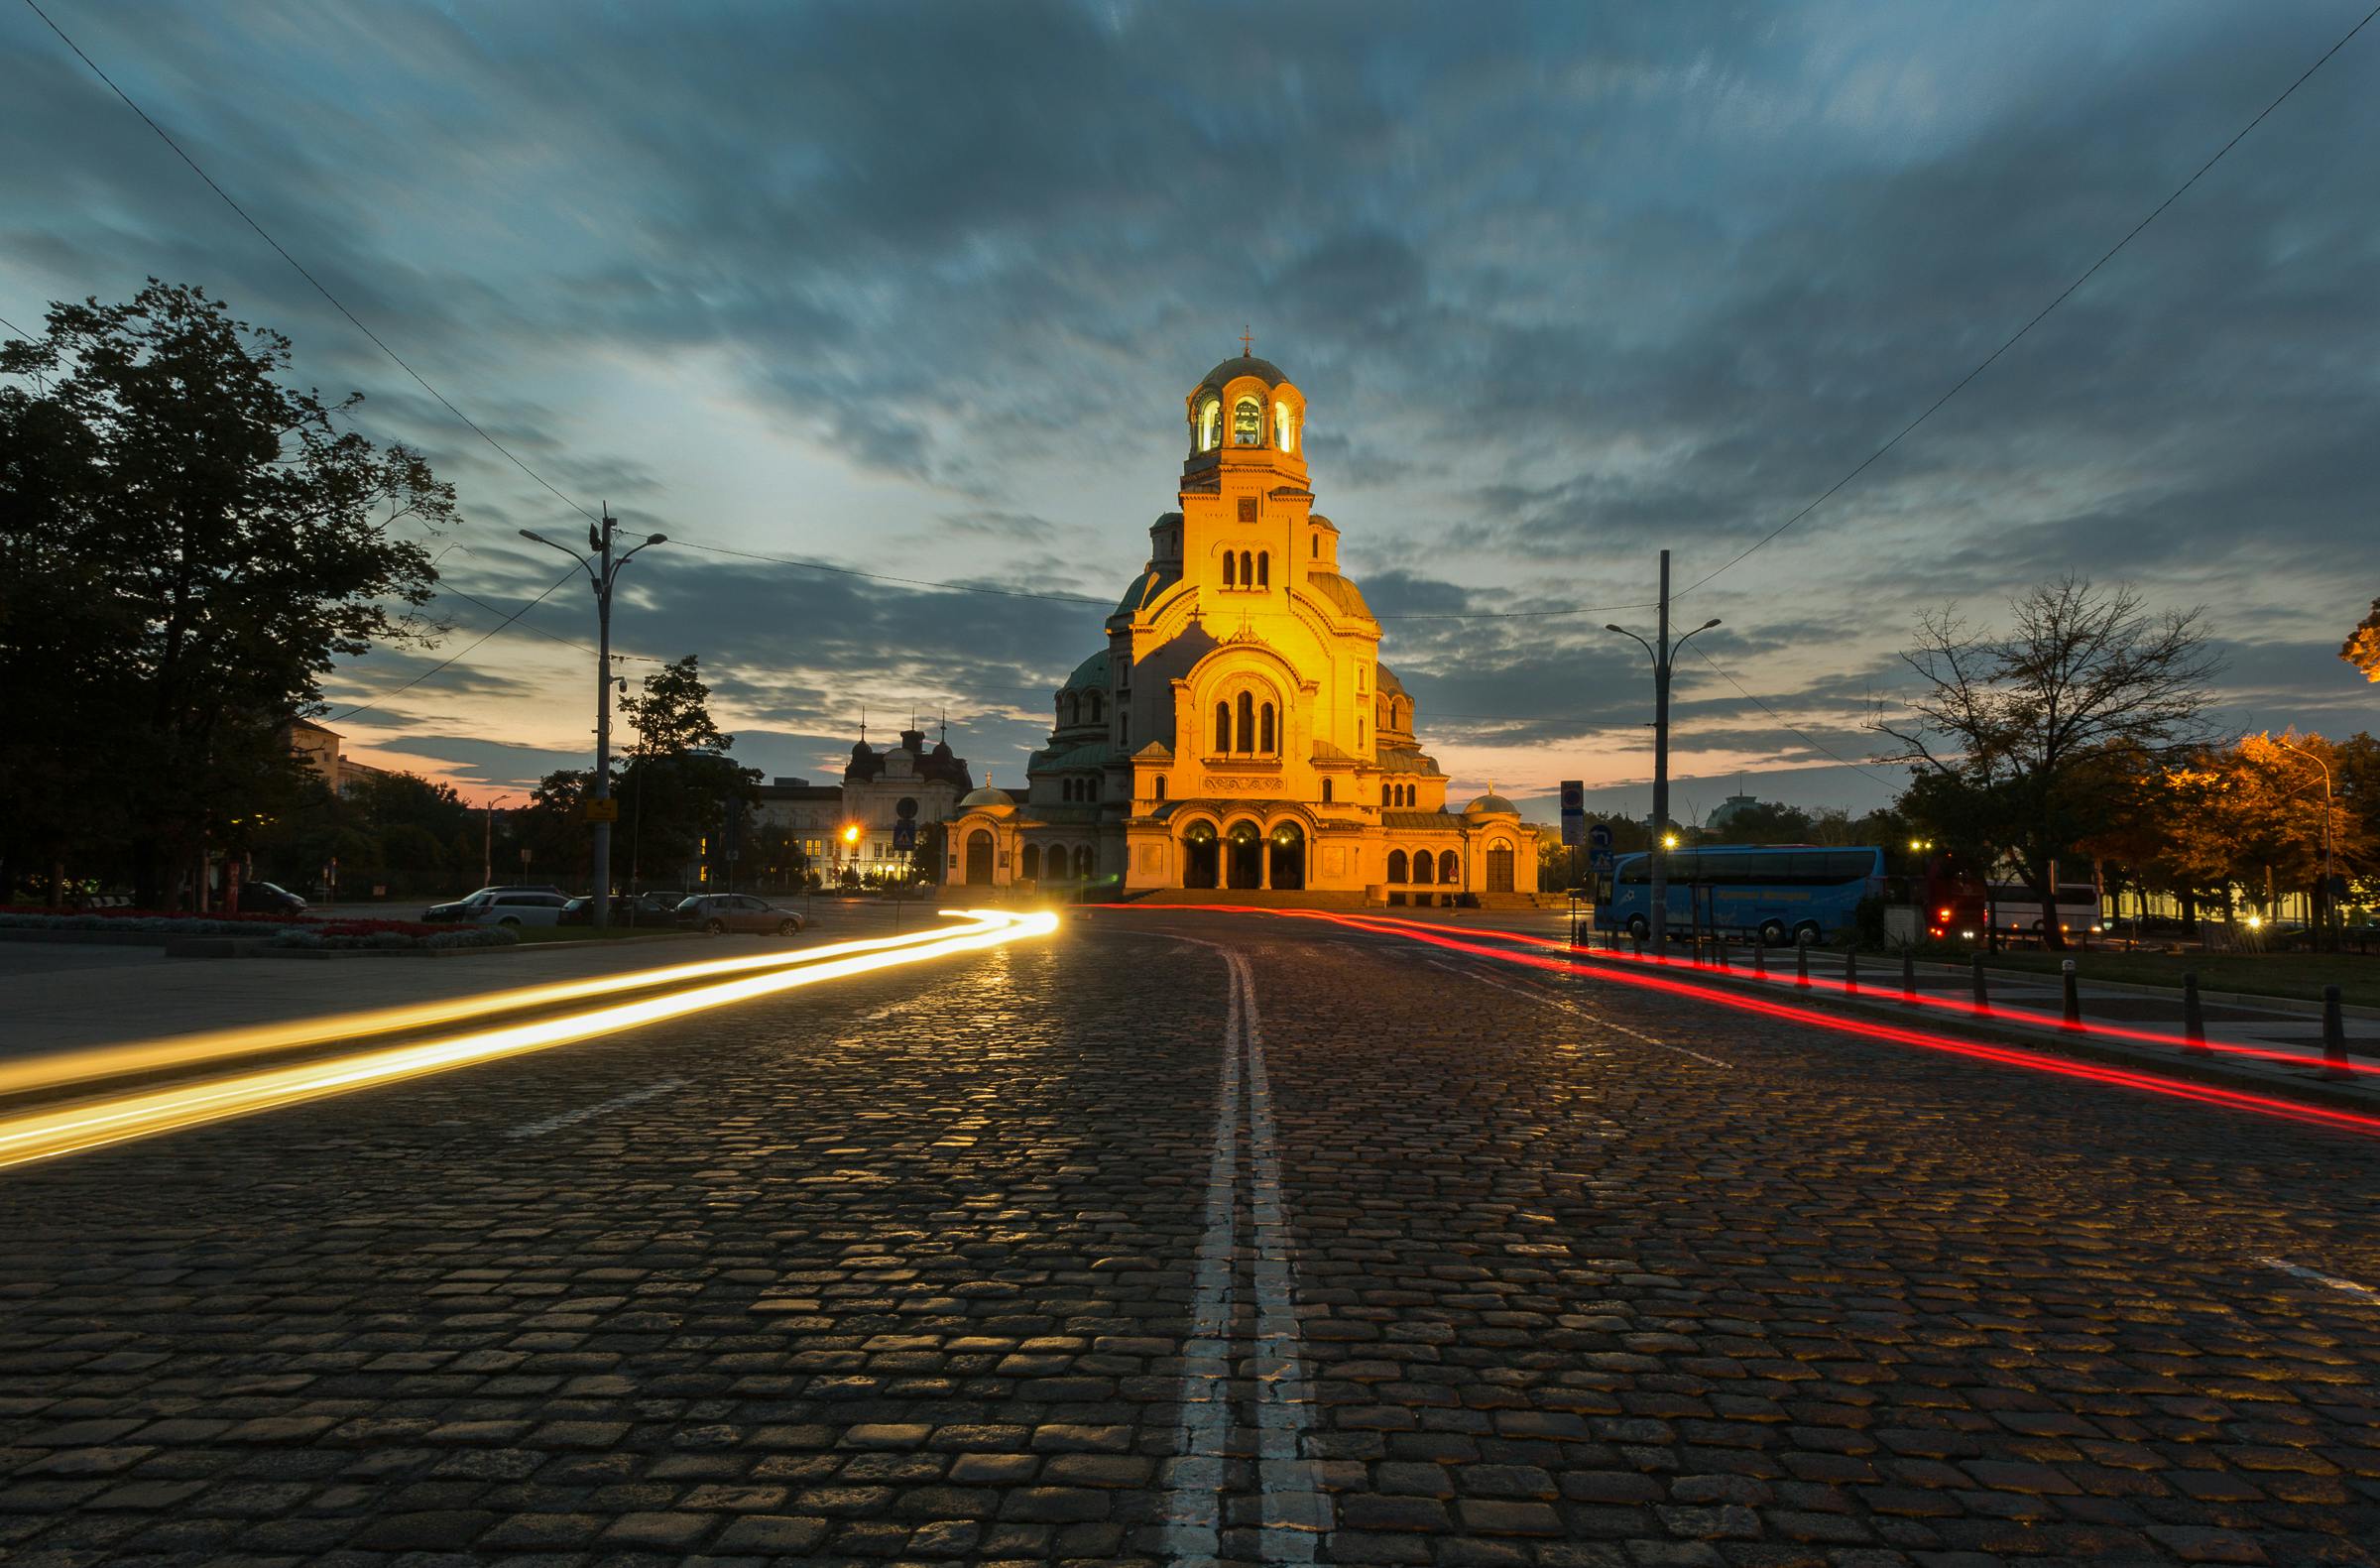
679, 785
2362, 647
2021, 735
186, 545
1767, 822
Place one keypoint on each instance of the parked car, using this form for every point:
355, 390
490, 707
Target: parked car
269, 898
654, 907
720, 913
522, 908
468, 907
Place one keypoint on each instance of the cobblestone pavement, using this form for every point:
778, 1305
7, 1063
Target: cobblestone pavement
963, 1264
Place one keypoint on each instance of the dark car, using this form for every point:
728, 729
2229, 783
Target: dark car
654, 907
269, 898
717, 913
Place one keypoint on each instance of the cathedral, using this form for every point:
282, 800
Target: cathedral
1238, 731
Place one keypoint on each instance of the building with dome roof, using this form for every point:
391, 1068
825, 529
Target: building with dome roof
1238, 731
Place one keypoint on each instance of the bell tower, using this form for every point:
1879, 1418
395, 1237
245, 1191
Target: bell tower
1245, 496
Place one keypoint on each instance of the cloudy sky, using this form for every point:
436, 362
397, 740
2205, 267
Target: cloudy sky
918, 290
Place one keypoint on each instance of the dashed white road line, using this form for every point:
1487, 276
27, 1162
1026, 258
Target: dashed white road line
617, 1102
1293, 1513
2321, 1278
1565, 1005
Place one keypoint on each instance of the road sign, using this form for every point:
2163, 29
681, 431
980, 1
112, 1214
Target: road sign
904, 835
1598, 860
604, 810
1599, 837
1574, 811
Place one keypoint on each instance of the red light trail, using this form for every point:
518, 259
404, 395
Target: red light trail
1651, 975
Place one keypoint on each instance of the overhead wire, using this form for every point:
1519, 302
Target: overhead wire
381, 697
1806, 739
2063, 296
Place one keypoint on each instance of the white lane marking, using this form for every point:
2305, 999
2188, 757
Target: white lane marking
1193, 1506
2321, 1278
1565, 1005
617, 1102
1294, 1513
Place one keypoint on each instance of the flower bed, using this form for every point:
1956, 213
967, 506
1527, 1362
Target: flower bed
393, 936
163, 924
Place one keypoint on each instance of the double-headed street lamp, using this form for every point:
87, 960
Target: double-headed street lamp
1664, 652
2325, 768
602, 571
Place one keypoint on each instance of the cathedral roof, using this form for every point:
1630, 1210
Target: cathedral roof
1491, 804
1091, 674
1145, 590
987, 796
1390, 684
1446, 820
1244, 365
1348, 598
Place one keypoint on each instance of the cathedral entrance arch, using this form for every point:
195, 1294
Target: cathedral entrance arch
1202, 856
1289, 851
979, 859
1499, 868
1243, 855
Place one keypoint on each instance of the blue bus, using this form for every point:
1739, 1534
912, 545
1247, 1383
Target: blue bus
1781, 893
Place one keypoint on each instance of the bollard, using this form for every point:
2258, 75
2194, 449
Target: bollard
1983, 992
1759, 958
1801, 962
1718, 950
1638, 939
2335, 1037
2074, 993
1909, 976
2193, 1016
1850, 973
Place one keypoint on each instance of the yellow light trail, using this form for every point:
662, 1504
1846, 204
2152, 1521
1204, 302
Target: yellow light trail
184, 1051
95, 1123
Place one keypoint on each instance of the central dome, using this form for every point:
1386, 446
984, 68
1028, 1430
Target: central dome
1245, 365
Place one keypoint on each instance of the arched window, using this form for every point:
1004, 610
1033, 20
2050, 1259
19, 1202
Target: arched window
1067, 708
1264, 730
1094, 714
1248, 722
1449, 868
1248, 423
1325, 792
1396, 865
1318, 547
1264, 569
1284, 431
1247, 569
1123, 729
1210, 424
1031, 866
1160, 791
1223, 728
1230, 567
1421, 866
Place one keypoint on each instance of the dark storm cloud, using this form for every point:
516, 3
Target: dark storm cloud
1564, 286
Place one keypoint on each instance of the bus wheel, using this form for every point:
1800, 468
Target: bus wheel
1638, 928
1772, 933
1806, 931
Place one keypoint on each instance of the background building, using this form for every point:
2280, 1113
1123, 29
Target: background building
857, 824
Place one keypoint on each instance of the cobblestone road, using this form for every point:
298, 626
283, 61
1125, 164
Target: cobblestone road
964, 1264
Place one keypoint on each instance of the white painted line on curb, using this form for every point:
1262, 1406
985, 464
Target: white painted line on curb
617, 1102
2321, 1278
1294, 1512
1193, 1508
1565, 1005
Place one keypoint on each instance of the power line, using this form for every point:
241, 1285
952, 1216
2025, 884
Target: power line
2062, 294
334, 300
451, 657
1780, 718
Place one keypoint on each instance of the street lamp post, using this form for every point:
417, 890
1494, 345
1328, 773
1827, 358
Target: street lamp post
602, 572
2328, 945
1664, 654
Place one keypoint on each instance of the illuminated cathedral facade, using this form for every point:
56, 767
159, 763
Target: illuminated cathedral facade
1238, 731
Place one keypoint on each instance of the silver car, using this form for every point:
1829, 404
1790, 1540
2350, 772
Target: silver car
717, 913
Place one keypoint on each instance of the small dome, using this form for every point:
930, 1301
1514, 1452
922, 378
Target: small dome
1492, 805
942, 750
986, 796
1245, 365
1089, 675
860, 749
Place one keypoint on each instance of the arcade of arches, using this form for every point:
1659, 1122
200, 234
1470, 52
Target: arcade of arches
1238, 730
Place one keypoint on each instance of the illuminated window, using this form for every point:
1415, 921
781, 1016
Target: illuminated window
1210, 424
1248, 423
1284, 432
1248, 722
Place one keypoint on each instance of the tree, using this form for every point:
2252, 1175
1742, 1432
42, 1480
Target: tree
186, 545
2362, 647
2023, 739
1767, 822
680, 785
